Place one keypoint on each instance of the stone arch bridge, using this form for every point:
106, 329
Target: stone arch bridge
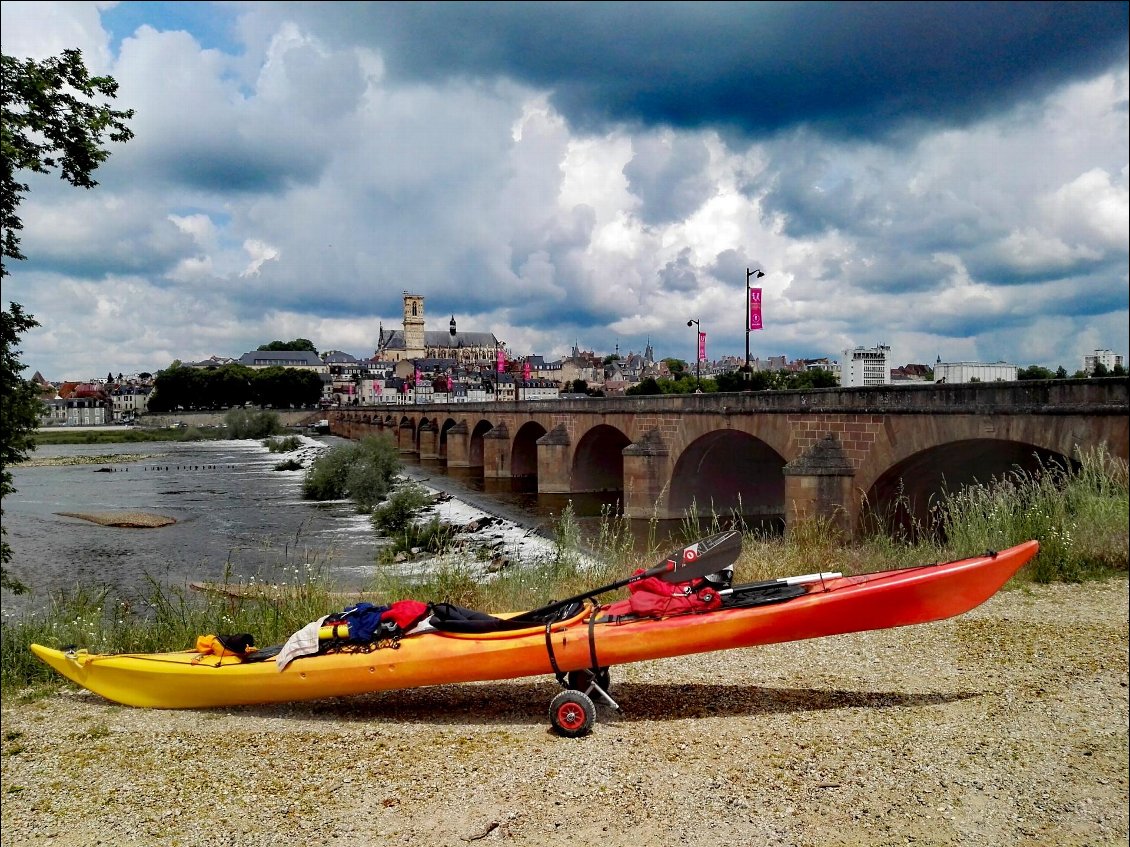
839, 453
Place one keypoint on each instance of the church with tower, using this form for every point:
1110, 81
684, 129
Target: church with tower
416, 342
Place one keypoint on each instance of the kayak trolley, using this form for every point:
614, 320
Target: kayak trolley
573, 712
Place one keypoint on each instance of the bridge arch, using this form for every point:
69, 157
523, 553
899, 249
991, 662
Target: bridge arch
598, 460
729, 472
905, 495
524, 451
475, 442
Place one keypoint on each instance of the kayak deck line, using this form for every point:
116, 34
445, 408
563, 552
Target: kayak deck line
578, 650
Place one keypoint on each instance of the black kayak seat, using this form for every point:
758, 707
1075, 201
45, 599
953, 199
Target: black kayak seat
743, 596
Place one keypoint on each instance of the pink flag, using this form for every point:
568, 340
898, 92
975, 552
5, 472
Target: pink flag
501, 360
449, 383
702, 346
525, 370
755, 308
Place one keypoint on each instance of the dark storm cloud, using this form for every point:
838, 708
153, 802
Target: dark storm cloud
850, 69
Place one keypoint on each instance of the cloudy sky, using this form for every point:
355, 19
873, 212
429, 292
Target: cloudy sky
948, 179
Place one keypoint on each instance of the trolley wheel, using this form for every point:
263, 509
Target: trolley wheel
572, 713
582, 679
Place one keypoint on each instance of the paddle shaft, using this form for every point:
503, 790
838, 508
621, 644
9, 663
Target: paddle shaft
804, 579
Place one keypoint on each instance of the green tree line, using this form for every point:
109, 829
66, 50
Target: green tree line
188, 388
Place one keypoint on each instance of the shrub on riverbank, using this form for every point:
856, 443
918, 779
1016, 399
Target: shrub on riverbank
252, 423
363, 472
283, 445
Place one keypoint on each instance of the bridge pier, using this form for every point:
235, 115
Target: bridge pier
818, 485
554, 467
646, 473
406, 438
429, 440
496, 453
458, 440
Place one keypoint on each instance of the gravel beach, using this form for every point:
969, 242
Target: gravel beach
1005, 726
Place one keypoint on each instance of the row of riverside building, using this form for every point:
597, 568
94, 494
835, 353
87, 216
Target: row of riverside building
413, 365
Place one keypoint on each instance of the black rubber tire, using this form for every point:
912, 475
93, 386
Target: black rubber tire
582, 679
572, 714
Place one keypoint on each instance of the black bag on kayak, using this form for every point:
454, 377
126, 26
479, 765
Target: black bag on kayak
448, 617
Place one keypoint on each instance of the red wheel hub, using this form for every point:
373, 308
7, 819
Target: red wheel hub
570, 716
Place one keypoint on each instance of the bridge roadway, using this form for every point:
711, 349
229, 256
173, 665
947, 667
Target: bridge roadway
843, 454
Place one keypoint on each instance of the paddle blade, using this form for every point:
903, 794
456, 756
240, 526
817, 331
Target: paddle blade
705, 556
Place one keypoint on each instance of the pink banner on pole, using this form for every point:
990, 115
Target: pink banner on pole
525, 370
702, 346
755, 308
501, 360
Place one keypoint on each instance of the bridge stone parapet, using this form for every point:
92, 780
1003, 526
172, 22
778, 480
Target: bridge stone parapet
758, 453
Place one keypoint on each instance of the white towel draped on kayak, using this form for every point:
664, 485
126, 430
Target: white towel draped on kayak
302, 643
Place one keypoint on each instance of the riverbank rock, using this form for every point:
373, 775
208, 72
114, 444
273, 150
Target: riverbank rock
128, 520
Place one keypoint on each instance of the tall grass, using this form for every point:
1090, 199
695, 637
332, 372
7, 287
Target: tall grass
1079, 514
252, 423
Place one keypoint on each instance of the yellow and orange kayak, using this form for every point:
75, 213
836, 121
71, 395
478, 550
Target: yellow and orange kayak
590, 638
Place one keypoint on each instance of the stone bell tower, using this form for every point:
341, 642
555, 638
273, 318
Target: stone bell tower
413, 326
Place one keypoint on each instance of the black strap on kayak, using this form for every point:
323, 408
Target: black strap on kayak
549, 649
592, 640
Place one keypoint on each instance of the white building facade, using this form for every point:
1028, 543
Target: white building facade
866, 366
974, 372
1107, 358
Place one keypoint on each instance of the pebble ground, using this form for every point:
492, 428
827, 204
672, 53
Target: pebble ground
1005, 727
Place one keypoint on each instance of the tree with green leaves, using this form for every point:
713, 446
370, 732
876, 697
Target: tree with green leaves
297, 344
1034, 372
53, 117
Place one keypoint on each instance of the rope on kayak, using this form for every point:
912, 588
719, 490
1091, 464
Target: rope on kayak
91, 659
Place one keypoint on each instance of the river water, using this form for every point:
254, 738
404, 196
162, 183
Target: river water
236, 517
234, 513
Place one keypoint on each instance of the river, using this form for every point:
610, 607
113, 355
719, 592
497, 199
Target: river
236, 516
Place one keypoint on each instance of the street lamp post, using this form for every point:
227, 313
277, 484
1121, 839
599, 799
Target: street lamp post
697, 359
757, 274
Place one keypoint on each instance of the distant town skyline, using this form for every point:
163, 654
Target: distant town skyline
589, 175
